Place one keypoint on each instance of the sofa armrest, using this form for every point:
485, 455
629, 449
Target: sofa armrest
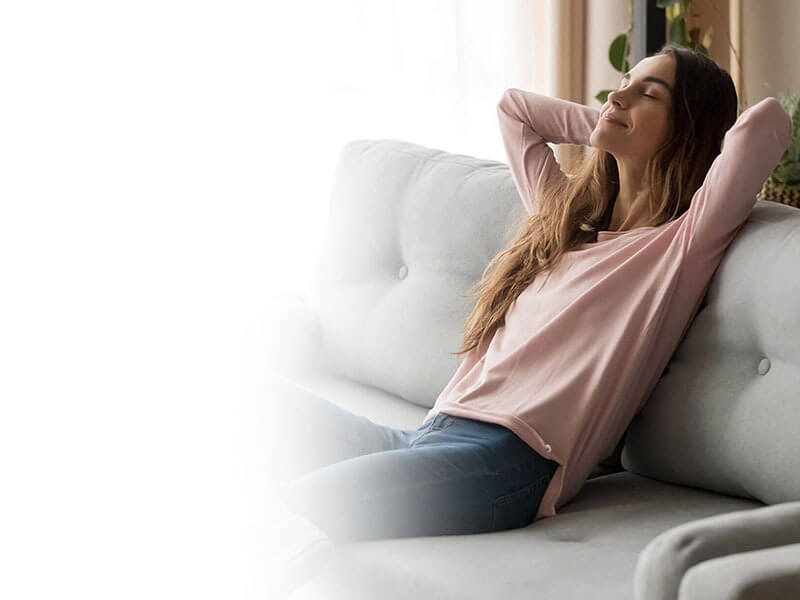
667, 557
293, 337
772, 573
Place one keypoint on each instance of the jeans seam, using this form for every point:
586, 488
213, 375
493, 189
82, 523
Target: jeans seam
431, 429
502, 500
532, 486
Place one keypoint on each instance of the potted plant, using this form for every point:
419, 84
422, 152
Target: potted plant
783, 184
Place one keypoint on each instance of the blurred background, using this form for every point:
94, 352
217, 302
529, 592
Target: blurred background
165, 172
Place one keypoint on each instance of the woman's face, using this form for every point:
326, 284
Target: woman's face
643, 105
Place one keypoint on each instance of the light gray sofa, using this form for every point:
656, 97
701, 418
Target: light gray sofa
701, 499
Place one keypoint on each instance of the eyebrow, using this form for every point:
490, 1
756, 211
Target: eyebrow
649, 78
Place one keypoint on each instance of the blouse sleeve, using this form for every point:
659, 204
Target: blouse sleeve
751, 149
527, 122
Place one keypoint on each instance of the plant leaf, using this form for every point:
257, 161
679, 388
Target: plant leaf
618, 51
788, 173
602, 96
677, 31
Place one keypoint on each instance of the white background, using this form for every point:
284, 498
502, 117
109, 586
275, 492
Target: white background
165, 168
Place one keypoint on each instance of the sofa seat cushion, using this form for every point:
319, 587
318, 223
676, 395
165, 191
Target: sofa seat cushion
589, 550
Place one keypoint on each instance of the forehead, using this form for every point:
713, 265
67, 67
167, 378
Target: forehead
661, 66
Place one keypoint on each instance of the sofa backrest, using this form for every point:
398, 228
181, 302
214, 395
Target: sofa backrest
410, 231
725, 415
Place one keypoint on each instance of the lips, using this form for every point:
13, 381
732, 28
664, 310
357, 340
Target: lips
610, 117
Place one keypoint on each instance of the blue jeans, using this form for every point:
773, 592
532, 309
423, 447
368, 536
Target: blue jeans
358, 480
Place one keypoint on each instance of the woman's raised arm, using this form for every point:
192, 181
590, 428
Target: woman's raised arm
751, 149
527, 122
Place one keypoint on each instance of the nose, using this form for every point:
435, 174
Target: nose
614, 99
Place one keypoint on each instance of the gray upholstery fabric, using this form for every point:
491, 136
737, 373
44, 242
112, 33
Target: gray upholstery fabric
411, 230
402, 213
771, 573
664, 561
725, 416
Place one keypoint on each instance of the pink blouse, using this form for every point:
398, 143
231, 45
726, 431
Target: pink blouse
585, 344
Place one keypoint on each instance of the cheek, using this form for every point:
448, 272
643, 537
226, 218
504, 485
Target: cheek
665, 130
665, 121
658, 127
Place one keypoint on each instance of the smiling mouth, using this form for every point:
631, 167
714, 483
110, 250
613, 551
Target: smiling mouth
613, 122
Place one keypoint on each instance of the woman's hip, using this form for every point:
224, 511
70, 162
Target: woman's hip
496, 448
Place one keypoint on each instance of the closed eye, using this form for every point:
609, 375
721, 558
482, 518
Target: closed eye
647, 95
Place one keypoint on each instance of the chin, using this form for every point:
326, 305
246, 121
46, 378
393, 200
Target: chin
603, 141
597, 141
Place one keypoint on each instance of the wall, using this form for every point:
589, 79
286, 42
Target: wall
770, 48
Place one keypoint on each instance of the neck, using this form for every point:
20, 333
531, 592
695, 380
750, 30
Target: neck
630, 206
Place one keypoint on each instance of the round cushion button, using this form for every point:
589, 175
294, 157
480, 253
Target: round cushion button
763, 366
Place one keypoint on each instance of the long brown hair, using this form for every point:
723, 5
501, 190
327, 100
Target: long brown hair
572, 209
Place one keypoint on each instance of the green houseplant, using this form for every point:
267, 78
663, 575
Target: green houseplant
783, 184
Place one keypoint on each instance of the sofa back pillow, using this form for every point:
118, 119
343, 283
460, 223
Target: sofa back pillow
725, 415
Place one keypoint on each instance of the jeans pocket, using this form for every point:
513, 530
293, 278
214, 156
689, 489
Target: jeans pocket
519, 508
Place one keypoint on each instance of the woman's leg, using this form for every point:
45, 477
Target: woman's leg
307, 432
457, 476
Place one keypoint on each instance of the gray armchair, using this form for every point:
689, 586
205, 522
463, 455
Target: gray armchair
700, 500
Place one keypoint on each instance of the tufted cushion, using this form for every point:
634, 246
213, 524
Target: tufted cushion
725, 415
411, 230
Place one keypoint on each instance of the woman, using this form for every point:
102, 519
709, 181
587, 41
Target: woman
554, 372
